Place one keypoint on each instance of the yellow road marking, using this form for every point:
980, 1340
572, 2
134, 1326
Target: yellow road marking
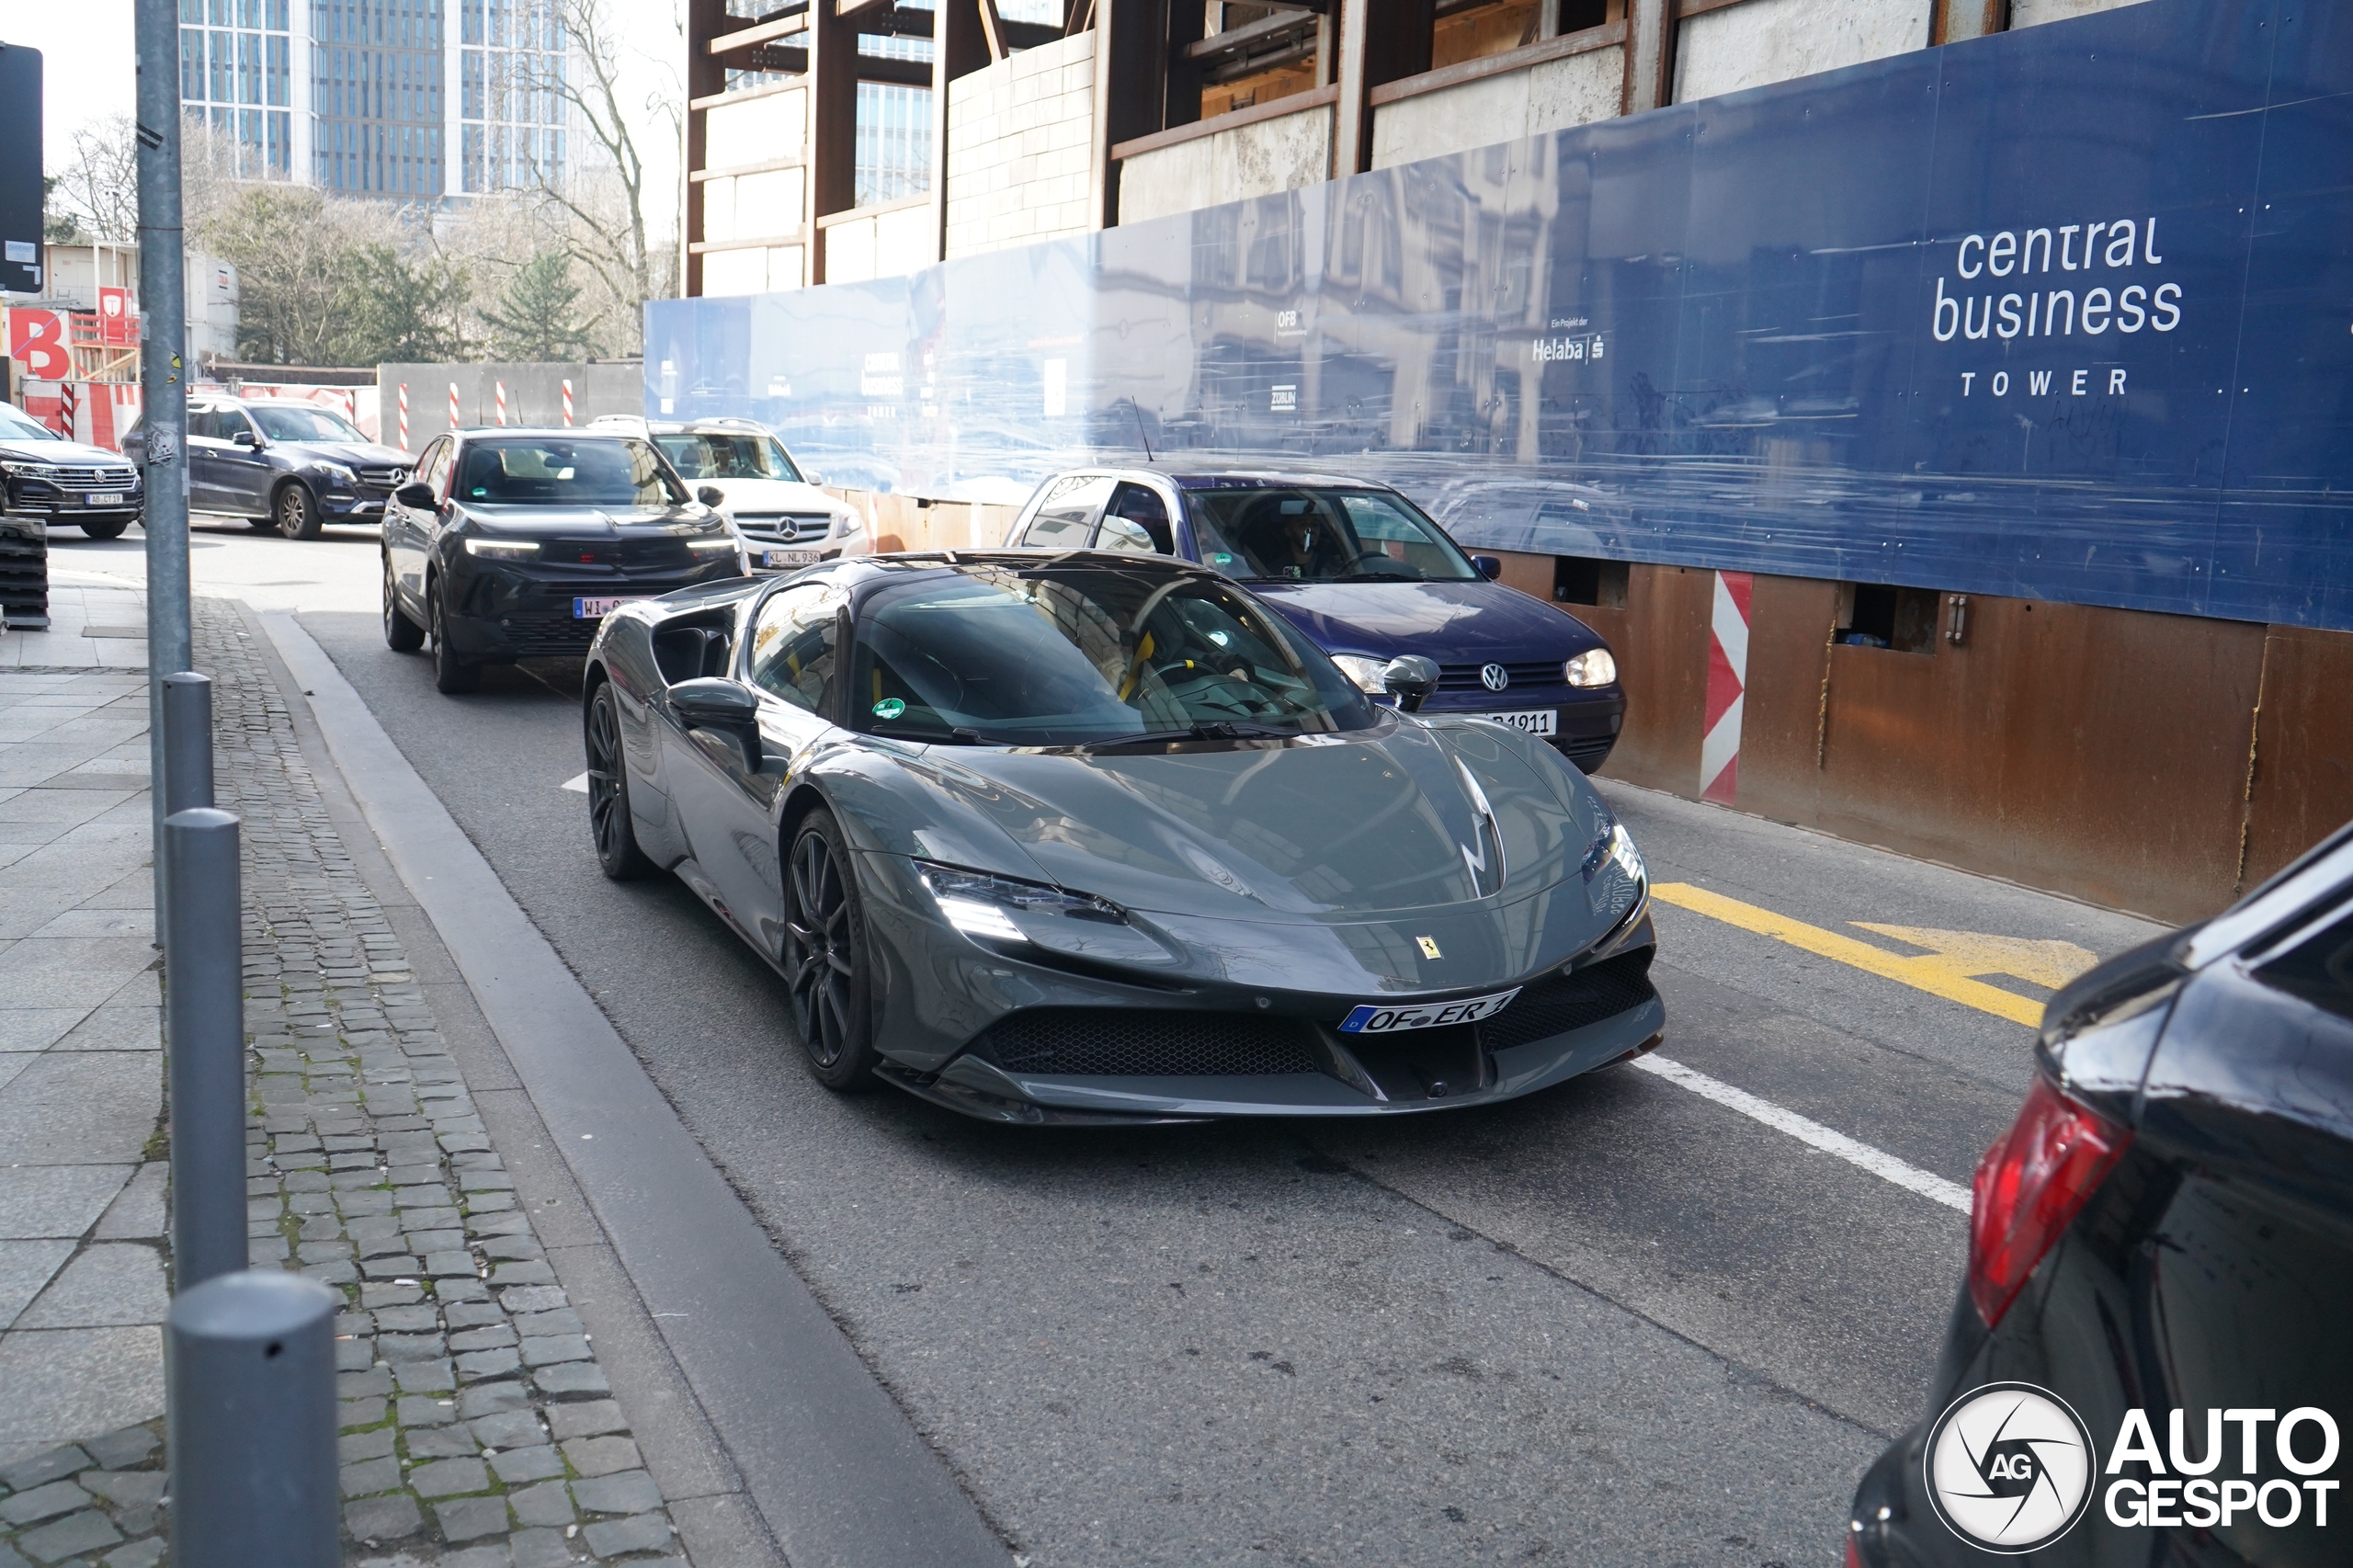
2042, 962
1935, 973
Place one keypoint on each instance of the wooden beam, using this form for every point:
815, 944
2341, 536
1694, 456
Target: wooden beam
1518, 59
857, 8
992, 30
705, 77
1650, 56
1381, 41
759, 33
1231, 120
1957, 20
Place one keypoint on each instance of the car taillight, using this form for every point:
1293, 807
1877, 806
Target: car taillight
1854, 1555
2031, 1186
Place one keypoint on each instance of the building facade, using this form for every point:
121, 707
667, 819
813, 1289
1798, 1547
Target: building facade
425, 100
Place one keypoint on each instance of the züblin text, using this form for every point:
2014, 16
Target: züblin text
2041, 312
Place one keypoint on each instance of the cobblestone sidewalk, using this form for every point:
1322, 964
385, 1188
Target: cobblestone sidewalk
478, 1430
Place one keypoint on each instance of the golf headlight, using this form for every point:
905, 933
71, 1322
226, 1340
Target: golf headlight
1366, 673
29, 470
501, 549
982, 905
1593, 667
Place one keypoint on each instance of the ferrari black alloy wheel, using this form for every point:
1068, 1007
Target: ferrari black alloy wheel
450, 673
401, 635
617, 849
298, 515
825, 956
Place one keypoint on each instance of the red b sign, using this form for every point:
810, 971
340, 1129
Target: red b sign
37, 342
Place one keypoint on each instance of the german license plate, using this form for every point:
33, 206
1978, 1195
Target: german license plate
1374, 1018
105, 498
1532, 721
789, 557
597, 610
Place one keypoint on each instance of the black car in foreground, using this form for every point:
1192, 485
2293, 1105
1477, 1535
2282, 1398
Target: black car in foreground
280, 464
1363, 572
1102, 838
2149, 1363
513, 544
45, 476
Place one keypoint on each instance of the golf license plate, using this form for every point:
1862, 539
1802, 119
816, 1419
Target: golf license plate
597, 610
1533, 722
789, 557
1374, 1018
104, 499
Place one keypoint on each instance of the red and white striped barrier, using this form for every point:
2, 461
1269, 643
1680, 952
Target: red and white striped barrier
567, 405
501, 401
454, 421
405, 446
1727, 685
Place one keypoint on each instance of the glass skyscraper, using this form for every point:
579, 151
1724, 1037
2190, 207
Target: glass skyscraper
404, 99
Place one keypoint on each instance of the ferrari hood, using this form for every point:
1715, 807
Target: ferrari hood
1341, 829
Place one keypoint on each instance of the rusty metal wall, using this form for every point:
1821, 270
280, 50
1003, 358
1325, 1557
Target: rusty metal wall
2117, 755
2300, 786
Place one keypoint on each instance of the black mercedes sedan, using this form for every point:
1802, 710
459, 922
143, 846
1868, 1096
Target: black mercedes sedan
1103, 839
1366, 574
512, 544
2147, 1362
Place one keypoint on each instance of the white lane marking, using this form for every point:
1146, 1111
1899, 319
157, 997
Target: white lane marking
1885, 1166
577, 786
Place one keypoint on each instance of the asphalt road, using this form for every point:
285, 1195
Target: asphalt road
1616, 1323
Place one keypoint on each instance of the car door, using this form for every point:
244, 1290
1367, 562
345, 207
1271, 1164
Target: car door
1137, 521
204, 441
725, 789
241, 471
1066, 516
406, 533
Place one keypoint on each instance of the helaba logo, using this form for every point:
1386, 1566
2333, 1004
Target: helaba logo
2009, 1467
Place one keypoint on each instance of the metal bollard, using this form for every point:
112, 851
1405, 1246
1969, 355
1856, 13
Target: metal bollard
188, 742
250, 1423
205, 1044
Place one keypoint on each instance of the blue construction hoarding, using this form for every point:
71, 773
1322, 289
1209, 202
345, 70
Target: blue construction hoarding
2064, 314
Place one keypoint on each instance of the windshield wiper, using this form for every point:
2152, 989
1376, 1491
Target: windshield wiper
955, 737
1207, 730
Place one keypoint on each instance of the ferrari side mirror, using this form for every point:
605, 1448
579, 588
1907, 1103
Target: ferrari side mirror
1489, 566
712, 702
1410, 678
415, 496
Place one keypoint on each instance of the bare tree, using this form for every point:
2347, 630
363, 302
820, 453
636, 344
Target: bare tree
606, 202
98, 185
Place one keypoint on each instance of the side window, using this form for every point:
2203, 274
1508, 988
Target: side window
433, 469
1067, 513
204, 425
1136, 520
792, 646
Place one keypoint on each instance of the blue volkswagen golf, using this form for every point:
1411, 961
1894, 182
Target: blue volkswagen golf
1363, 572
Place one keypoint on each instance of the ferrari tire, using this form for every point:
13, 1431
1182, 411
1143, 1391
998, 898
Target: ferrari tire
401, 635
826, 956
297, 512
608, 820
451, 673
110, 529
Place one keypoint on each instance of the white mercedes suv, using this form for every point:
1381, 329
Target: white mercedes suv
787, 522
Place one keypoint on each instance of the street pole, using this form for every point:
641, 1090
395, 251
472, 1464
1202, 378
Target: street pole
162, 383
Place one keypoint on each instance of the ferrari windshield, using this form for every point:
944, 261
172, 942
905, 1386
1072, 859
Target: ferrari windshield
1322, 534
701, 455
1082, 655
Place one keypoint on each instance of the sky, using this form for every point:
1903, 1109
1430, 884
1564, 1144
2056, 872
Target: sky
88, 59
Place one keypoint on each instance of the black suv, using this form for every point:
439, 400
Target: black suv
282, 464
515, 544
42, 474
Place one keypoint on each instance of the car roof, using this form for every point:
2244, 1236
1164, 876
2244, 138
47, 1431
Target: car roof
1203, 474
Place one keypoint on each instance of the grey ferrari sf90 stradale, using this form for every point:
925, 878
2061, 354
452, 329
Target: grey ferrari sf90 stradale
1100, 839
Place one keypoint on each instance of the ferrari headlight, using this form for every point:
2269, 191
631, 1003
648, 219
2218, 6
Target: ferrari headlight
982, 905
1614, 846
501, 549
1366, 673
1593, 667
